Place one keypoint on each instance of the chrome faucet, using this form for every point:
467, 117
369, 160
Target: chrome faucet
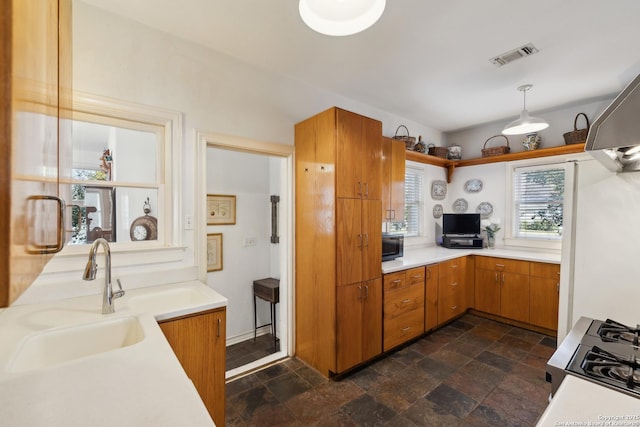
90, 274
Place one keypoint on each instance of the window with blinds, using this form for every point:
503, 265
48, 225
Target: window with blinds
412, 201
538, 202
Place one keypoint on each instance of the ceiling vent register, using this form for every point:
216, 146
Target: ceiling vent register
513, 55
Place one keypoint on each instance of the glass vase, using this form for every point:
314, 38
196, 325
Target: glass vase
491, 241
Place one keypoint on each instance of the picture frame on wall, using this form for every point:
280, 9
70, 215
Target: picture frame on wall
221, 209
214, 252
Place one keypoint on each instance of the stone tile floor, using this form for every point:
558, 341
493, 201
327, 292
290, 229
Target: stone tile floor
249, 351
472, 372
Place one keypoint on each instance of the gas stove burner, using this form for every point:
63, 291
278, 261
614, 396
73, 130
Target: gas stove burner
612, 331
601, 363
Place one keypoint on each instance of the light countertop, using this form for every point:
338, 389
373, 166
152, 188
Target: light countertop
416, 257
582, 403
142, 384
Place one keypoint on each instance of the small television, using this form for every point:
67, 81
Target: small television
467, 224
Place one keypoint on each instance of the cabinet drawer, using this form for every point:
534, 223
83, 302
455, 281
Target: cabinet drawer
502, 264
415, 275
404, 300
393, 281
403, 328
450, 306
449, 285
453, 266
543, 269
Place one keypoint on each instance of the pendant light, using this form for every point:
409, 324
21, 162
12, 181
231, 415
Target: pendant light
340, 17
525, 123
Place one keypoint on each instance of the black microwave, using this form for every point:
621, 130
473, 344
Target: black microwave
392, 246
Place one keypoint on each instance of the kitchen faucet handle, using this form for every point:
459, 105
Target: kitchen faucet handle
118, 294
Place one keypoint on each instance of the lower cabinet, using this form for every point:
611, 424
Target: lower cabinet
199, 342
359, 323
403, 308
431, 297
455, 293
544, 288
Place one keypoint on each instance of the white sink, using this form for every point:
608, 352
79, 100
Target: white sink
61, 345
168, 300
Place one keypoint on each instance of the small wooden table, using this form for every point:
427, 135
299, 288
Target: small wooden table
268, 290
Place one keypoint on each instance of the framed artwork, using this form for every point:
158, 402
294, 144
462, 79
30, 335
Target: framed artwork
214, 252
221, 209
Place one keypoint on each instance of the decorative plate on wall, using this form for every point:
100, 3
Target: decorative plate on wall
473, 186
460, 206
437, 211
438, 190
485, 209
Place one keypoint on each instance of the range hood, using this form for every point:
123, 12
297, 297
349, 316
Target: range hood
614, 138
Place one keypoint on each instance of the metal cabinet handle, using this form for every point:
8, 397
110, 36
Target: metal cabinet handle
366, 291
360, 292
359, 188
503, 278
366, 240
499, 265
219, 325
405, 301
396, 282
406, 329
366, 189
35, 248
360, 240
453, 307
454, 284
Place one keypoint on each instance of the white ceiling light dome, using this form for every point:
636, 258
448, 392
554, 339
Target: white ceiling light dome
525, 123
341, 17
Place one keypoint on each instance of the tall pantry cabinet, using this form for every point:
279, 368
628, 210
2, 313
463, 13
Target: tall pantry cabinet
35, 92
338, 172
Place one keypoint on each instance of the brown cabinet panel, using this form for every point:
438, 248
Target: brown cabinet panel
393, 171
415, 275
543, 269
453, 289
403, 328
514, 296
543, 300
199, 342
401, 301
431, 297
394, 281
449, 307
487, 291
349, 242
503, 264
359, 323
372, 241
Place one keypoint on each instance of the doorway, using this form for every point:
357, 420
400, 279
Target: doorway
256, 244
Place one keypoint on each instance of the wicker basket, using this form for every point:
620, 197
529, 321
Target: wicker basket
495, 151
409, 141
438, 151
577, 136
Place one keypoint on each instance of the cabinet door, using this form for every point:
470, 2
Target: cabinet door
371, 158
514, 296
487, 291
393, 169
349, 155
350, 329
543, 298
372, 321
350, 241
199, 343
32, 43
372, 240
431, 297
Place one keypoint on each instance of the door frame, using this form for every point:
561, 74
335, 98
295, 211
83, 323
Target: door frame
286, 152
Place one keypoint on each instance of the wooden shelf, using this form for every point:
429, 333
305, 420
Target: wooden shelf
452, 164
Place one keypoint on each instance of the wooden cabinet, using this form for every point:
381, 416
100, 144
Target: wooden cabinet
35, 82
502, 287
338, 170
199, 342
431, 297
393, 171
359, 240
544, 288
403, 306
454, 290
359, 323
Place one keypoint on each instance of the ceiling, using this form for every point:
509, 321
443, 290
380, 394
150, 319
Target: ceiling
425, 60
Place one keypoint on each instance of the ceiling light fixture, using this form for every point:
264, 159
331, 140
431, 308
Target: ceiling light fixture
340, 17
525, 123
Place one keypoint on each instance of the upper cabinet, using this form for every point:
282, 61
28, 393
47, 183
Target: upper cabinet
393, 168
36, 84
359, 151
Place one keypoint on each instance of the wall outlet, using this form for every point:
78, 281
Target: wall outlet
250, 241
188, 222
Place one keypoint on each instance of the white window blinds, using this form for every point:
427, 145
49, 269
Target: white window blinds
412, 201
538, 202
